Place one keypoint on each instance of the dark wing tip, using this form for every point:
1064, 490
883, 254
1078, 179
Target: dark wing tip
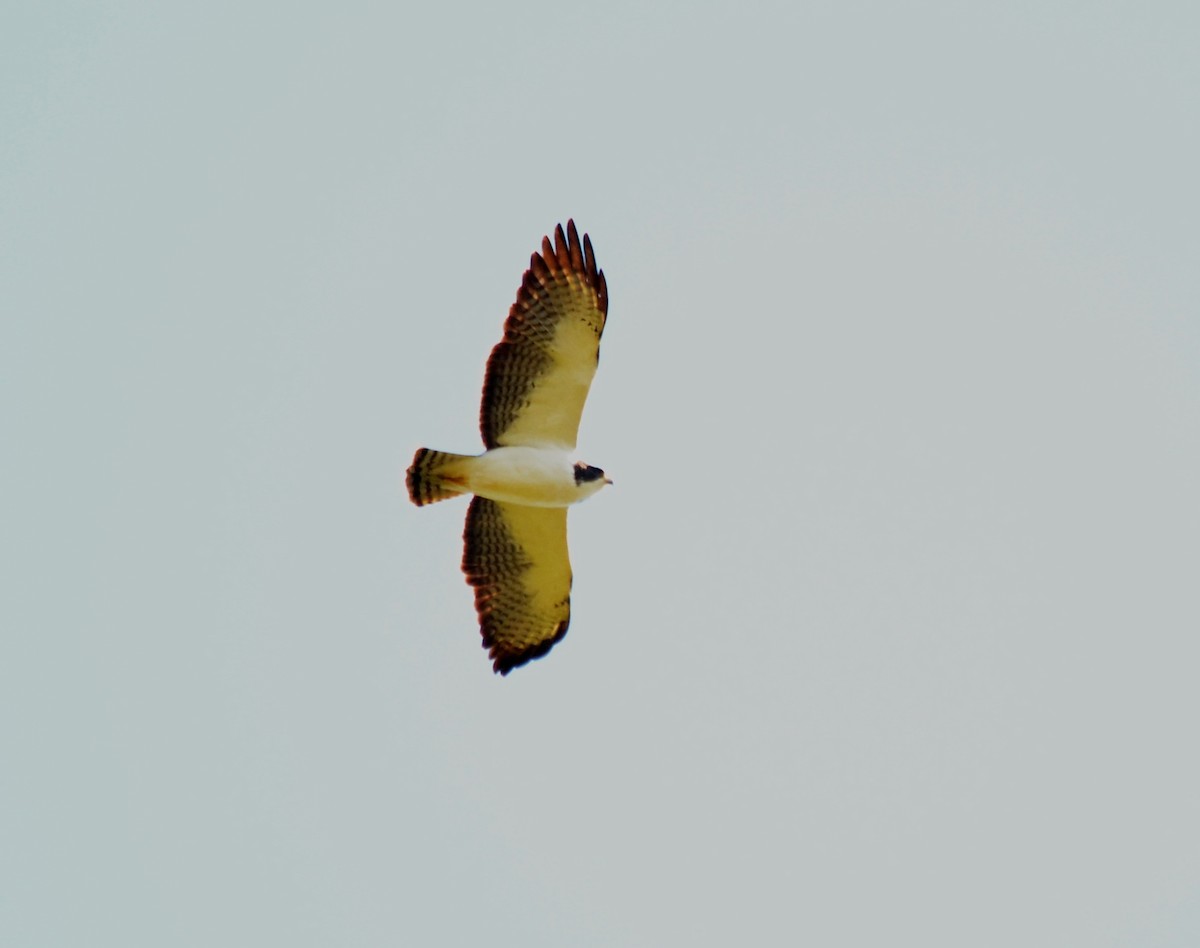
567, 254
539, 268
502, 664
602, 291
589, 255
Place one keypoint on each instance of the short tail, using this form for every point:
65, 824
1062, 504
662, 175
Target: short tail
436, 475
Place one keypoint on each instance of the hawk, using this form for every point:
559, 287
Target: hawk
537, 379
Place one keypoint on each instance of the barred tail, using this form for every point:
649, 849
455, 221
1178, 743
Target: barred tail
436, 475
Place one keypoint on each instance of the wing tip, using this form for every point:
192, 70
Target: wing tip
566, 254
503, 663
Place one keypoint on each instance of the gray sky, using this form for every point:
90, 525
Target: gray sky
887, 632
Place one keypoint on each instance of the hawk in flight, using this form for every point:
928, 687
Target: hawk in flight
537, 379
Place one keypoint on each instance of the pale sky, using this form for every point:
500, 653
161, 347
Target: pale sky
886, 634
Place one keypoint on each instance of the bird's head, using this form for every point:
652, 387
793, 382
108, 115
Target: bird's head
589, 479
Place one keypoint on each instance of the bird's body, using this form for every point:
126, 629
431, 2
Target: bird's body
538, 375
519, 474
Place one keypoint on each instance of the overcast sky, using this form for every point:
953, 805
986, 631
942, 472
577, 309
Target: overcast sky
886, 633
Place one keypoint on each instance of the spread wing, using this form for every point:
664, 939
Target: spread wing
538, 375
516, 558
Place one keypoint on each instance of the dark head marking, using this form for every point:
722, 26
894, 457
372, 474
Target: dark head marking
585, 473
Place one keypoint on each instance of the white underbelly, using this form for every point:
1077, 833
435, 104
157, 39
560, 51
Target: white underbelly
536, 477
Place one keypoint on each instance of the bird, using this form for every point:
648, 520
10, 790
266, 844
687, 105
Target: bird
535, 385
